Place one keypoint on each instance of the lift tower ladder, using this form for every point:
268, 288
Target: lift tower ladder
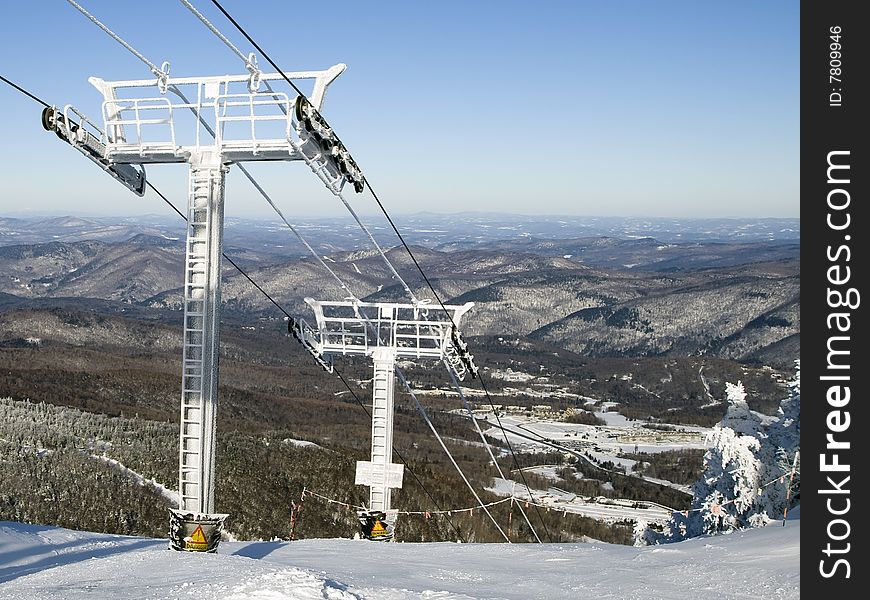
385, 332
167, 120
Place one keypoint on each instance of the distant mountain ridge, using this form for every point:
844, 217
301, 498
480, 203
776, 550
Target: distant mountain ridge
439, 231
599, 296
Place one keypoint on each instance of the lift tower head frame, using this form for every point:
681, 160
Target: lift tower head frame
384, 331
171, 120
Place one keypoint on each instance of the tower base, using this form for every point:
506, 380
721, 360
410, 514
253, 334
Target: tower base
377, 525
192, 532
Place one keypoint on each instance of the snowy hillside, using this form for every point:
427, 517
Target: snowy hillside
46, 562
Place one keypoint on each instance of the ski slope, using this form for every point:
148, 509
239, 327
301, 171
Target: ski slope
39, 562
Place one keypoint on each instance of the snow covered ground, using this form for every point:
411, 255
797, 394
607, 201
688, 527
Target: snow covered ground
39, 562
559, 500
602, 443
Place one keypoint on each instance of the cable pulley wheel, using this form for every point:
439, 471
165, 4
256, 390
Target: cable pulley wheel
47, 118
300, 109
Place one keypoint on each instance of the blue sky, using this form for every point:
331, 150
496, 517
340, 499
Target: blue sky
686, 109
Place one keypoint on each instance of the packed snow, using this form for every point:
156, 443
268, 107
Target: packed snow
604, 509
48, 562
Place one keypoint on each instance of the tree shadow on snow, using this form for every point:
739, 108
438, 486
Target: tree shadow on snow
56, 555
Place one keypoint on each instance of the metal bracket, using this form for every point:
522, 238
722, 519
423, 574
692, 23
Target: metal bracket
458, 349
163, 77
77, 130
144, 126
306, 336
254, 70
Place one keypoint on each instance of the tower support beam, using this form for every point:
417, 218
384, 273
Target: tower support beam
217, 121
383, 470
202, 297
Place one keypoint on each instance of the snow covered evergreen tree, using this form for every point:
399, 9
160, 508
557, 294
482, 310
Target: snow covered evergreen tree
724, 495
747, 479
739, 417
780, 454
639, 534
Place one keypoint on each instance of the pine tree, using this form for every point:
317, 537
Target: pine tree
724, 495
639, 534
779, 455
739, 417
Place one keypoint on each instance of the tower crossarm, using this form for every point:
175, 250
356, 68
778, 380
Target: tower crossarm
413, 331
152, 121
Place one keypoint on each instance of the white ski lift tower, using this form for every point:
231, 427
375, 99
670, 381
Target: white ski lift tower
385, 332
145, 124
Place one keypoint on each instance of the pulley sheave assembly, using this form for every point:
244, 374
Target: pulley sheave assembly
313, 130
74, 128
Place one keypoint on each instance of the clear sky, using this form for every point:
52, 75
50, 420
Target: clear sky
629, 108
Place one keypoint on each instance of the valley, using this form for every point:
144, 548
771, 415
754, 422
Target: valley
609, 365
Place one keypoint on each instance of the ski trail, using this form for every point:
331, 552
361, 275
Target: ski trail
171, 496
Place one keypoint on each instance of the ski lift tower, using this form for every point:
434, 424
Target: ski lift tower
145, 124
385, 332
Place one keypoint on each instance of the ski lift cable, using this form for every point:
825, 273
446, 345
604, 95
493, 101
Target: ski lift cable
248, 62
296, 88
514, 456
162, 74
458, 387
344, 286
208, 128
25, 92
395, 229
272, 300
380, 250
247, 59
269, 200
295, 231
366, 182
175, 90
425, 416
310, 492
158, 72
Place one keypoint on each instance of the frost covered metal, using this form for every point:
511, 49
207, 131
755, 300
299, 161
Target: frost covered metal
383, 331
168, 120
208, 123
410, 330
